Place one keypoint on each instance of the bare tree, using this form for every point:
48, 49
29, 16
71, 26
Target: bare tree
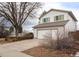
62, 42
18, 12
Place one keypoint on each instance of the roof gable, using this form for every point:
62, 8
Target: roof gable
69, 12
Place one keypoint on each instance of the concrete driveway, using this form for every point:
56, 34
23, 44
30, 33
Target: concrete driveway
13, 49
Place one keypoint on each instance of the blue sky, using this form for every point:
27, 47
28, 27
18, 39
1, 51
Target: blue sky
60, 5
72, 6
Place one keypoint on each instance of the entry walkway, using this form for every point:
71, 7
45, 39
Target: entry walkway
14, 49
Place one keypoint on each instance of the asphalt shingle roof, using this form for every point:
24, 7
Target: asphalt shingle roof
52, 24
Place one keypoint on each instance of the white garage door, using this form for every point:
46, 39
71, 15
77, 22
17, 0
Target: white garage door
54, 34
46, 34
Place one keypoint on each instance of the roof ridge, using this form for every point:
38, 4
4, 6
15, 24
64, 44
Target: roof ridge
61, 10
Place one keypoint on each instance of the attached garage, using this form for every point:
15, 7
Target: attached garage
52, 30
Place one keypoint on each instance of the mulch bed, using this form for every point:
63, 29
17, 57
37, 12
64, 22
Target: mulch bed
45, 52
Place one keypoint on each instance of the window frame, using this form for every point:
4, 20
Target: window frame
60, 18
45, 20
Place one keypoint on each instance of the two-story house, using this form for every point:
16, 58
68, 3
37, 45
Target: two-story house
55, 23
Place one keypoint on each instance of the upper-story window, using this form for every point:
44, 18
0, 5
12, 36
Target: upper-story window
45, 20
59, 18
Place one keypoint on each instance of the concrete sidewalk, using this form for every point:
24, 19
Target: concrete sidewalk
11, 53
14, 49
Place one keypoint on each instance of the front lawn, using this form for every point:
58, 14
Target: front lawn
2, 41
45, 52
26, 36
11, 39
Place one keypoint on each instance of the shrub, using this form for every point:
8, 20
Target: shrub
4, 34
64, 43
48, 42
60, 43
28, 36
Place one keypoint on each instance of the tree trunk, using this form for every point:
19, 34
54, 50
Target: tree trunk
16, 33
19, 29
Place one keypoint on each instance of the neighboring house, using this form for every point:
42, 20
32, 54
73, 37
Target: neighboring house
55, 24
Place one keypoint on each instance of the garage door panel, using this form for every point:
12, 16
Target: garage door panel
54, 34
47, 34
43, 34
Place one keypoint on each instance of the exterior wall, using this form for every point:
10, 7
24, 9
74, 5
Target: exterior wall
52, 14
70, 26
35, 33
61, 31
